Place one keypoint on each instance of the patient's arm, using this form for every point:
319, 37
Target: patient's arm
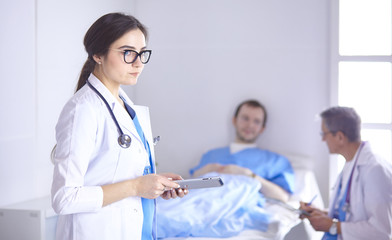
272, 190
212, 167
269, 189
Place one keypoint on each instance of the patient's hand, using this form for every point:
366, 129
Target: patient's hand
229, 169
235, 169
212, 167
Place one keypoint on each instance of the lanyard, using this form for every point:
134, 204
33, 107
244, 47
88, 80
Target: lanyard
148, 169
352, 173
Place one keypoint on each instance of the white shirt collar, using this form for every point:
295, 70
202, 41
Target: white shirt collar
237, 147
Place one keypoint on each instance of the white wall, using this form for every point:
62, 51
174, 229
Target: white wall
207, 56
18, 175
210, 55
42, 54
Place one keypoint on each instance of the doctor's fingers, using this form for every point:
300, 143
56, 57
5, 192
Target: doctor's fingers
305, 207
167, 183
150, 186
174, 193
314, 212
159, 184
171, 176
167, 195
320, 223
180, 192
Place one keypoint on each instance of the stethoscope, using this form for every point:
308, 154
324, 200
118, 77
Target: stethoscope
346, 206
124, 140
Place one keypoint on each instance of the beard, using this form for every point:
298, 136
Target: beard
245, 139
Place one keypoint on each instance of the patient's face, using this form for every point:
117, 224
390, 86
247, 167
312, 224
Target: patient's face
249, 124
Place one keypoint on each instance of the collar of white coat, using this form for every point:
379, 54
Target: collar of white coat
361, 153
238, 147
348, 166
112, 101
119, 111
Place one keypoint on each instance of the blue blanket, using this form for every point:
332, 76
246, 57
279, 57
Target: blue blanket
214, 212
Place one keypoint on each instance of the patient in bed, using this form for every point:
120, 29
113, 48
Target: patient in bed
242, 157
250, 174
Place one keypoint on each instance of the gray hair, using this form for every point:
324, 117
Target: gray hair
345, 120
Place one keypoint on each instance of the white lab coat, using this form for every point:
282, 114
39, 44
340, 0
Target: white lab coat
88, 156
370, 215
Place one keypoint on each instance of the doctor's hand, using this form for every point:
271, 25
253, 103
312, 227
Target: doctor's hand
173, 192
319, 219
153, 185
308, 208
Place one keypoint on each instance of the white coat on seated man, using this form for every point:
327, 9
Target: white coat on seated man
361, 204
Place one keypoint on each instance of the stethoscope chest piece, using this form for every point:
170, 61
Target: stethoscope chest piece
124, 140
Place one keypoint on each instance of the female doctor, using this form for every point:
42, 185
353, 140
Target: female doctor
104, 183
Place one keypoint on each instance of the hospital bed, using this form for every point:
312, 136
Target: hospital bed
284, 223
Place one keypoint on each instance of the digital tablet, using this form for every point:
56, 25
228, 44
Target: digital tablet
207, 182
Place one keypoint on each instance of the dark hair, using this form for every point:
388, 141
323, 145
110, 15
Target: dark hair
252, 103
101, 35
345, 120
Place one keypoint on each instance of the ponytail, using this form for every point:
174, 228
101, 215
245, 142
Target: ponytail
101, 35
87, 69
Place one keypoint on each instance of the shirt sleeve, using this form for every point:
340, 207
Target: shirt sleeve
76, 137
281, 173
377, 202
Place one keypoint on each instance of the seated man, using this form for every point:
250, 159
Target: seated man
361, 203
242, 157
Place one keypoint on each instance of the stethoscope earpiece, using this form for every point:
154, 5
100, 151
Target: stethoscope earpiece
124, 140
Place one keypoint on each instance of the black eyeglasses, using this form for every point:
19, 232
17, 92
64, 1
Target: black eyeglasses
323, 134
130, 56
